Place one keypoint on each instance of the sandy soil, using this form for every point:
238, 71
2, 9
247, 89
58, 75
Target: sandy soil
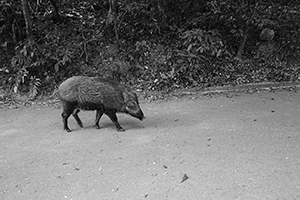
244, 146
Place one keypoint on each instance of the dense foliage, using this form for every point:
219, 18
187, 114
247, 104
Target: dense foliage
153, 44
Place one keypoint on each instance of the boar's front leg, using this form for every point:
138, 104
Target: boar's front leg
112, 115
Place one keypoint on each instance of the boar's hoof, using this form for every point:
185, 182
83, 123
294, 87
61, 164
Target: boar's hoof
68, 130
97, 126
120, 129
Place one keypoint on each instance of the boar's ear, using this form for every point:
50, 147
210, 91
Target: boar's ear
125, 96
136, 98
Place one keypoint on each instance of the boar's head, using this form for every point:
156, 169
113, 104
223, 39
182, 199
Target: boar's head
132, 106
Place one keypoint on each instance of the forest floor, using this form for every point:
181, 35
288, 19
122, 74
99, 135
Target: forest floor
222, 146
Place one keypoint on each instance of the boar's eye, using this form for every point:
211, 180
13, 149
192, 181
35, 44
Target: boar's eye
131, 105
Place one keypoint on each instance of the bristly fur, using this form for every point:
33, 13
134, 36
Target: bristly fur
94, 93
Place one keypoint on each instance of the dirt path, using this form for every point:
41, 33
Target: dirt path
243, 147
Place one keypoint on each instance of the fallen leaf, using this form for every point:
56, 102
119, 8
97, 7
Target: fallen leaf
184, 178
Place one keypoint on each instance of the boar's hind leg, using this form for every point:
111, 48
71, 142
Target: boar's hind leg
68, 110
75, 115
99, 114
112, 115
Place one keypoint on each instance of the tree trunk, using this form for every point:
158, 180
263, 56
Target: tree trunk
27, 18
242, 45
56, 11
112, 19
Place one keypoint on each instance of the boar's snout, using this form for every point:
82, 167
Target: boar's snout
138, 114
